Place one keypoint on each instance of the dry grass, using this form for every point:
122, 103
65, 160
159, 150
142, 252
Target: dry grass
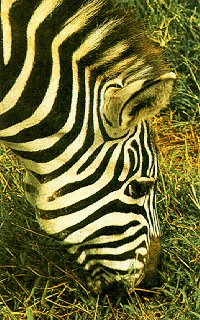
179, 148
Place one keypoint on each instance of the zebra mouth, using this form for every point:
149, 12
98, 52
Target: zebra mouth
106, 280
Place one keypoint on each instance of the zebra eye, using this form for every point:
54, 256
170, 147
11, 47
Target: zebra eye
138, 189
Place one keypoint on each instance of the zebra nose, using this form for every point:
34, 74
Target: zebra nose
153, 265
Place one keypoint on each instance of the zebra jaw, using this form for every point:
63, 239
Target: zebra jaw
139, 100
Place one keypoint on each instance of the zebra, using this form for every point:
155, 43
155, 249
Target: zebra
79, 81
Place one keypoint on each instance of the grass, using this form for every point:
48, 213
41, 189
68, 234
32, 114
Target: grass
39, 281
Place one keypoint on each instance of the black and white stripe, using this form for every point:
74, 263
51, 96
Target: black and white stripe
78, 80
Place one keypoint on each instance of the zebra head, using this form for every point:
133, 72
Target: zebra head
83, 82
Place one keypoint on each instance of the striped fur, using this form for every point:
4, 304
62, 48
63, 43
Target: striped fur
77, 82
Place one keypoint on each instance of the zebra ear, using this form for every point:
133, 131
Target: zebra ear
126, 107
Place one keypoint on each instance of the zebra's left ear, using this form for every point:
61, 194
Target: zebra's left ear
142, 99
